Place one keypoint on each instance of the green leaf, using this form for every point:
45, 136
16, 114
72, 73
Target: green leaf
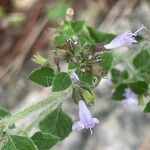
43, 76
100, 36
73, 65
147, 108
4, 113
142, 61
44, 141
139, 38
16, 142
106, 60
139, 87
57, 123
86, 77
119, 91
77, 25
88, 96
82, 39
140, 100
76, 95
67, 30
58, 11
61, 82
59, 40
118, 76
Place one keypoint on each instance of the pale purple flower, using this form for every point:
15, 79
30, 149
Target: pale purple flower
130, 98
74, 77
86, 121
126, 38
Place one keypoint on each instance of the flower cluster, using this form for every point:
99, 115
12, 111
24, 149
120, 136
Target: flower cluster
86, 121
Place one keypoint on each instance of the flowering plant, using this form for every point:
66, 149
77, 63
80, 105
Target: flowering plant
89, 56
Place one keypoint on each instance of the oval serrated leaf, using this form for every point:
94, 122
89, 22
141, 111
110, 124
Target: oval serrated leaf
61, 82
44, 141
57, 123
139, 87
118, 93
106, 60
43, 76
86, 77
16, 142
142, 61
147, 108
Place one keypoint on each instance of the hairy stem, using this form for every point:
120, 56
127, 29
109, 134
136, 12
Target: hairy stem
25, 112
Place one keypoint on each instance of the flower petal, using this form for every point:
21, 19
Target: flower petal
84, 113
78, 126
95, 120
74, 78
126, 38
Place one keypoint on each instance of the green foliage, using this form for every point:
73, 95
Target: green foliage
87, 96
73, 65
100, 36
77, 25
44, 141
58, 11
4, 113
86, 77
147, 108
119, 91
139, 87
118, 76
59, 40
43, 76
57, 123
61, 82
142, 61
139, 38
106, 59
16, 142
66, 30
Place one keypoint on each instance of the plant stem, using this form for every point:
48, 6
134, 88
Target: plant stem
21, 114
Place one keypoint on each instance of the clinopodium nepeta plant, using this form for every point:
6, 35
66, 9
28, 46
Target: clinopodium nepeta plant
88, 56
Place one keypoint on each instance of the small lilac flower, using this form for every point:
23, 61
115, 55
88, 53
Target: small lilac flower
130, 98
74, 78
86, 120
125, 38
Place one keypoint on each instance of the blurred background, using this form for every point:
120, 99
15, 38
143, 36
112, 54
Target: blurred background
25, 30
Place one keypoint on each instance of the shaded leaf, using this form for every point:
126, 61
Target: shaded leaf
86, 77
139, 87
106, 60
44, 141
57, 123
73, 65
59, 40
88, 96
61, 82
77, 25
119, 91
147, 108
16, 142
100, 36
142, 61
118, 76
43, 76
